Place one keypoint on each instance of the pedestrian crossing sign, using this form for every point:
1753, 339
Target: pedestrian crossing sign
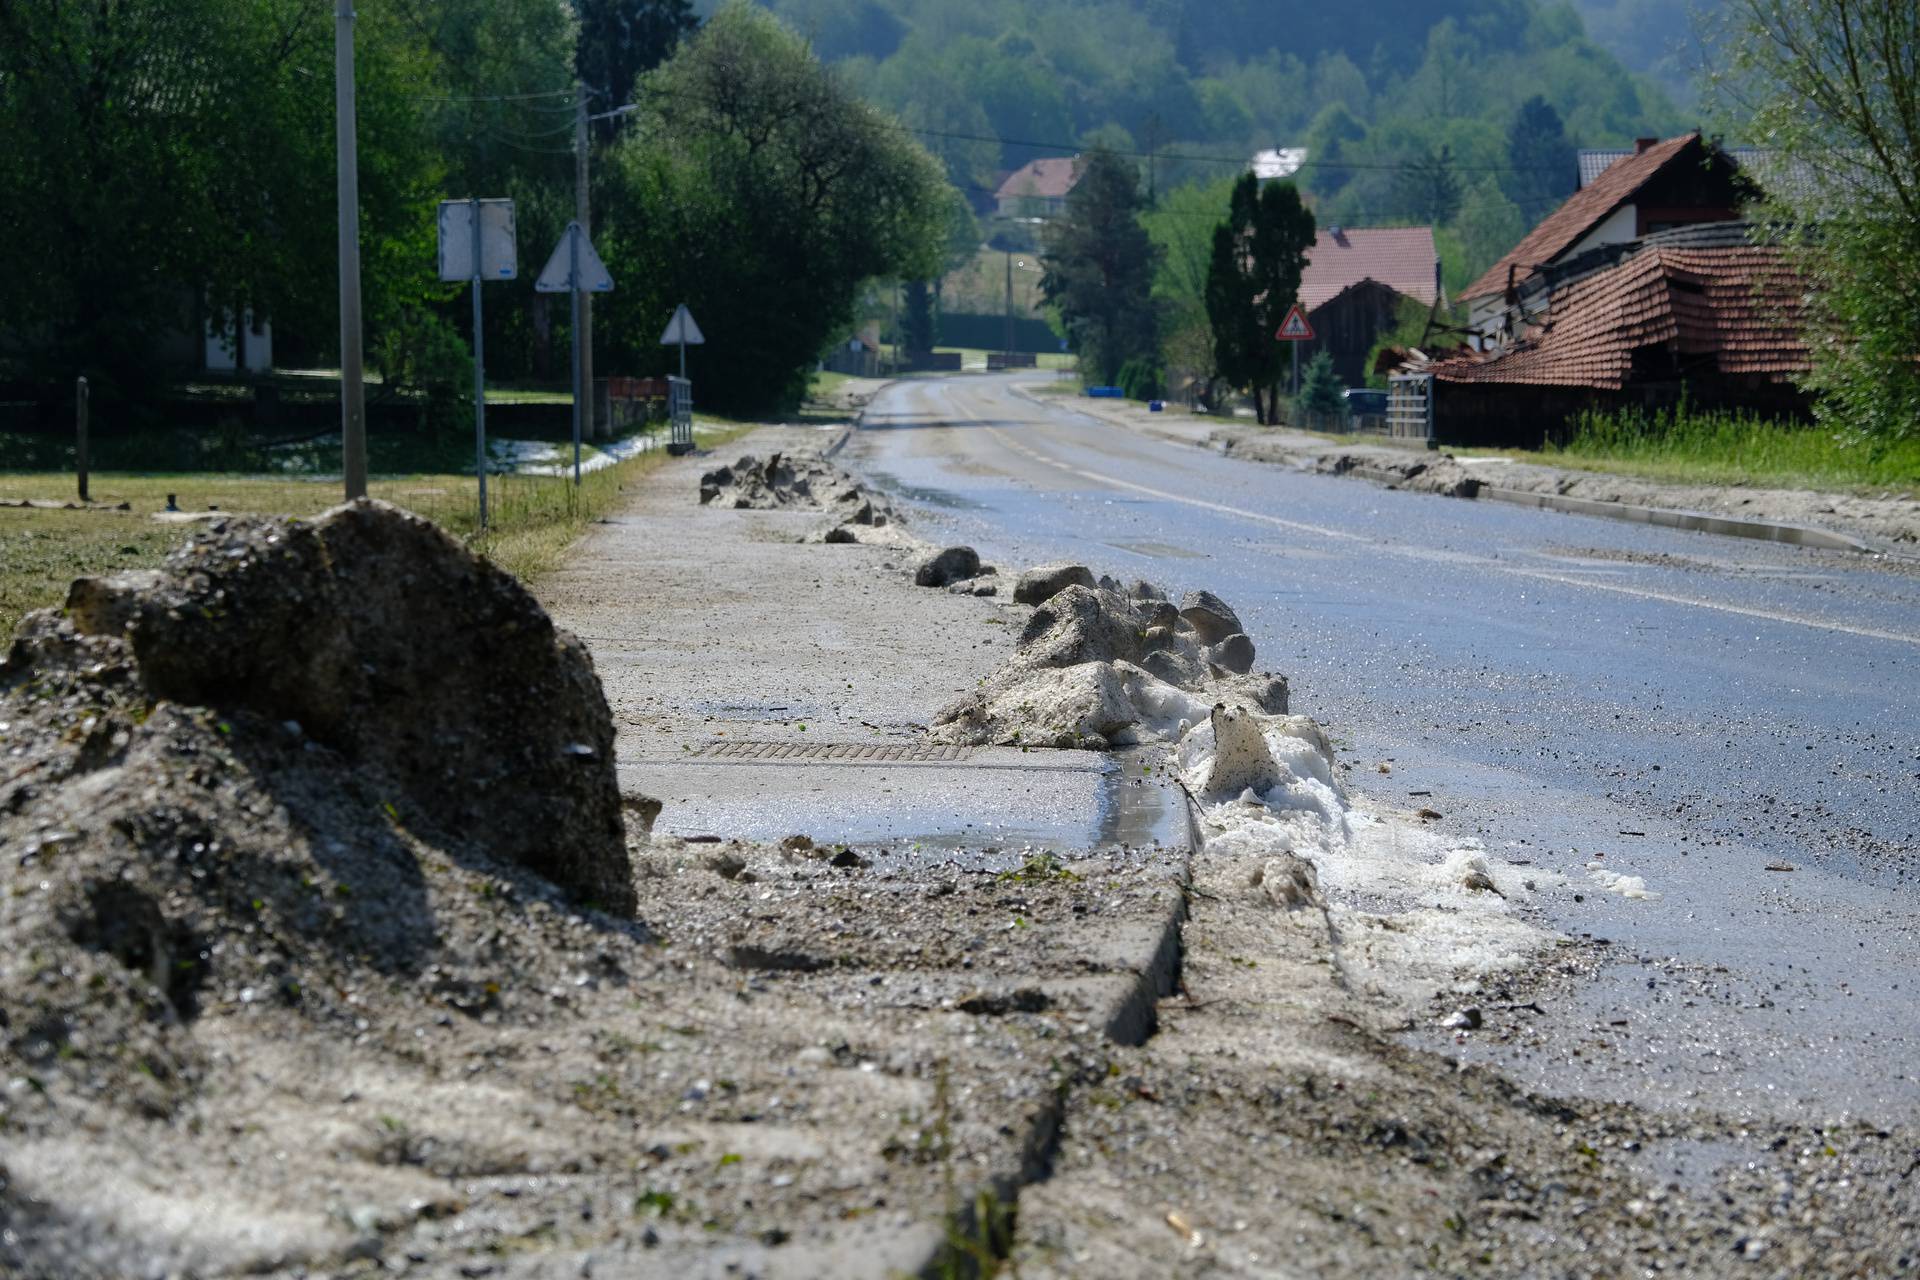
1295, 327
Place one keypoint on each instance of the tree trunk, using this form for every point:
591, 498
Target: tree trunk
1259, 406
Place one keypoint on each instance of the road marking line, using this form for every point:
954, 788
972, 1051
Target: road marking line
1322, 530
1663, 597
1667, 598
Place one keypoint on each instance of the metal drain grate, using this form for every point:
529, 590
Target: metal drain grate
834, 752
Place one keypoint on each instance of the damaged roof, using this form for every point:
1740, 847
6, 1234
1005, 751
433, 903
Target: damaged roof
1402, 258
1584, 210
1047, 179
1737, 306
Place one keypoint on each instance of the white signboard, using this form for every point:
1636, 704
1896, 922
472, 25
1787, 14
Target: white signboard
498, 260
574, 247
682, 329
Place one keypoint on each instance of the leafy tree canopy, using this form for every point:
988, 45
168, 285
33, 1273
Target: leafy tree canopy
1838, 92
1253, 280
1099, 265
757, 189
171, 160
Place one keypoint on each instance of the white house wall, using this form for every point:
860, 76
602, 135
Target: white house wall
1620, 226
1487, 316
221, 354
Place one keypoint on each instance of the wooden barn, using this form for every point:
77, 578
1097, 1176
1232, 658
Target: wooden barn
1354, 280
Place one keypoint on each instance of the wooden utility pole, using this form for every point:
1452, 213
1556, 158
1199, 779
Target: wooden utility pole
80, 435
353, 393
1009, 334
581, 214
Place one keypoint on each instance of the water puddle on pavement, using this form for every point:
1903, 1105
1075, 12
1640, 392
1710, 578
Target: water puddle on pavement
1022, 801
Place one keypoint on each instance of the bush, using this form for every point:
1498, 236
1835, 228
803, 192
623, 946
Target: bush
1722, 447
1143, 378
424, 357
1320, 387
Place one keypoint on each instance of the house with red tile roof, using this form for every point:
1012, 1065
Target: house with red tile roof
1038, 189
1703, 314
1354, 280
1680, 182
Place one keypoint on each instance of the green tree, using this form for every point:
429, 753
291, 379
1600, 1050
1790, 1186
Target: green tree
619, 39
917, 321
1320, 387
1426, 188
162, 159
1838, 91
1182, 227
1253, 280
1487, 227
761, 193
1099, 265
1542, 165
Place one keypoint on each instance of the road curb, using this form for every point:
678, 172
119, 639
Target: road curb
1131, 1022
1693, 521
1797, 535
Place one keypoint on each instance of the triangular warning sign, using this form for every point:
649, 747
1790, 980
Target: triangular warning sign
682, 329
557, 275
1295, 327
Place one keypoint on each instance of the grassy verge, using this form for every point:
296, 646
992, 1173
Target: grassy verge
976, 357
823, 383
534, 519
1690, 447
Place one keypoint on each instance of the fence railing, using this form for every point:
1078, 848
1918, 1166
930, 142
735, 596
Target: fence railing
1410, 406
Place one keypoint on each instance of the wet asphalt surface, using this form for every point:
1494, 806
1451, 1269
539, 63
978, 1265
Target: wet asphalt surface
1737, 723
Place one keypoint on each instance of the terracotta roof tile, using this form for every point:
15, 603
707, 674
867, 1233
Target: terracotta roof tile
1402, 258
1584, 210
1047, 179
1735, 305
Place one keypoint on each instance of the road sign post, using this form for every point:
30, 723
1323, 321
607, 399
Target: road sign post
477, 244
346, 132
1295, 330
575, 268
681, 331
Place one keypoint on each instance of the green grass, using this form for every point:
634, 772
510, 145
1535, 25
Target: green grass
534, 519
976, 357
1690, 447
824, 383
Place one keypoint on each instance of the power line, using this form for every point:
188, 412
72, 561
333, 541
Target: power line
538, 151
1241, 162
536, 134
1238, 161
490, 97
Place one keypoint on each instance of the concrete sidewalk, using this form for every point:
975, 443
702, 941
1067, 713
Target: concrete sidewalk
865, 1064
901, 1002
765, 688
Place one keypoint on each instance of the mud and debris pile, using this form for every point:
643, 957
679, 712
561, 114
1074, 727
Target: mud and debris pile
260, 776
959, 570
1441, 474
376, 637
1105, 665
800, 481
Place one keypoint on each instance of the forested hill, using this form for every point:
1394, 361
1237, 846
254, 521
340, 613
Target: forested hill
1380, 79
1662, 38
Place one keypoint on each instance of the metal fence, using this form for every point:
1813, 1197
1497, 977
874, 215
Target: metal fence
1410, 406
680, 412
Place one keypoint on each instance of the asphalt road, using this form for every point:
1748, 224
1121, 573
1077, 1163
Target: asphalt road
1682, 707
